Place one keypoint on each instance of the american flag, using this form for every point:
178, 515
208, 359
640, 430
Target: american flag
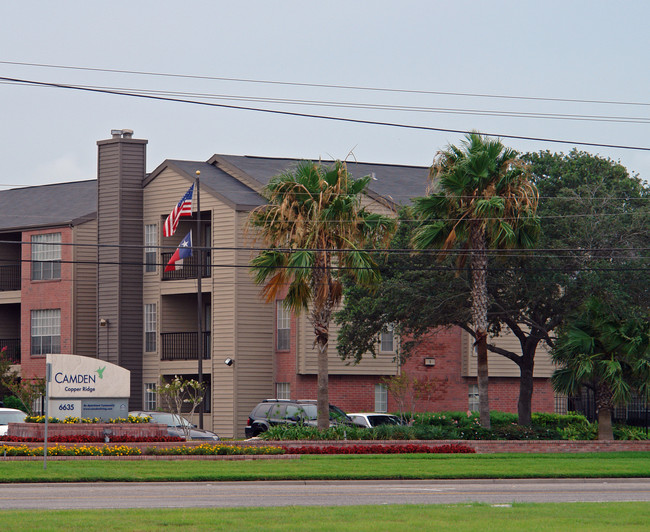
184, 208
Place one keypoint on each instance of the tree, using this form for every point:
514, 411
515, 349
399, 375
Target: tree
179, 392
603, 351
594, 240
316, 229
482, 199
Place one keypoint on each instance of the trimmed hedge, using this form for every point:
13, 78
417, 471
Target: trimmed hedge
462, 426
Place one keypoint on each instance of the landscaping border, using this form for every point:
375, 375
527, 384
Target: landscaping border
480, 446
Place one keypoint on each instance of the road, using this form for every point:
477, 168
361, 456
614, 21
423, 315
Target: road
316, 493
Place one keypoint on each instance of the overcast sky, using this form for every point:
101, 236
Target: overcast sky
577, 50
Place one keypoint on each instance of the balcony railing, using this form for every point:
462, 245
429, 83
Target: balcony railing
190, 266
13, 349
183, 346
9, 277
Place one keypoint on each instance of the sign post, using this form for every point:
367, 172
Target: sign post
48, 378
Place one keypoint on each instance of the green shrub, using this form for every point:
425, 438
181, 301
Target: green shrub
558, 421
627, 432
11, 401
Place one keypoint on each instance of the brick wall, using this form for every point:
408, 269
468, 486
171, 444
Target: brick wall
356, 393
50, 294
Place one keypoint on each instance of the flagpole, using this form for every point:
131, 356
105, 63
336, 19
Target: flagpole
199, 299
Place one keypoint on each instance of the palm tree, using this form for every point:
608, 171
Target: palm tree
480, 198
606, 353
316, 230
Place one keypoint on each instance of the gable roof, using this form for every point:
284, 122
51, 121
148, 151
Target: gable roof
396, 183
48, 205
238, 180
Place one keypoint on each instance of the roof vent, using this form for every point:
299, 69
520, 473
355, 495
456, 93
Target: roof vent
122, 133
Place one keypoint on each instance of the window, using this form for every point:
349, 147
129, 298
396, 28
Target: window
283, 390
46, 256
473, 398
387, 339
381, 398
46, 331
283, 327
150, 327
150, 253
150, 396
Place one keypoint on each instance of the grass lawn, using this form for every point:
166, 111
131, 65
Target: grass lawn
539, 517
333, 467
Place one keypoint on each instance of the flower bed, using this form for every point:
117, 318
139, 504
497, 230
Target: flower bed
125, 450
452, 448
90, 438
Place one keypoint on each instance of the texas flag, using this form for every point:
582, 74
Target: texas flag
183, 250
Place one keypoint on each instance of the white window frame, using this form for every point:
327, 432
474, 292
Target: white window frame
283, 390
381, 398
46, 256
387, 339
150, 396
472, 398
150, 252
45, 331
150, 327
283, 327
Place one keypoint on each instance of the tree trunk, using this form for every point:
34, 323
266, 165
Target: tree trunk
525, 403
320, 319
603, 396
479, 317
605, 431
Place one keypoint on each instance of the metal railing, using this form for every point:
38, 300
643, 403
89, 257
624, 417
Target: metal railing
183, 346
190, 266
13, 349
636, 412
9, 277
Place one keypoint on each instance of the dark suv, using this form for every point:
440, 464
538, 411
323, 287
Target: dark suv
289, 412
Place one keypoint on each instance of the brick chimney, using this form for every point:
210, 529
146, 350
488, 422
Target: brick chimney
121, 169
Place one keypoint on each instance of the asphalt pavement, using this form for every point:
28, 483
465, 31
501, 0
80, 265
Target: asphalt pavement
316, 493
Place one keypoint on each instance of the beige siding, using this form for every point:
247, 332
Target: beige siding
85, 323
500, 366
383, 364
254, 333
177, 299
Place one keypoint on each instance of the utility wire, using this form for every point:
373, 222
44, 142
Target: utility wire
322, 117
374, 106
328, 86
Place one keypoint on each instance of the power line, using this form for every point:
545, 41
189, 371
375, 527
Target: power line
328, 86
321, 117
375, 106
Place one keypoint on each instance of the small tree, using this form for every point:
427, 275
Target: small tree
179, 392
405, 389
604, 352
27, 391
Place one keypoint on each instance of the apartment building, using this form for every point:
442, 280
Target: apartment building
146, 320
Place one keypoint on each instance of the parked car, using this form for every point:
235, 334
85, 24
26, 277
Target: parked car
289, 412
374, 419
10, 415
175, 425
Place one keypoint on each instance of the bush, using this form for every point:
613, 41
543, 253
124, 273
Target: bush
11, 401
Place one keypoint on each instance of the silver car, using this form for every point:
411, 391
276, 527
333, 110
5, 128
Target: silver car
176, 425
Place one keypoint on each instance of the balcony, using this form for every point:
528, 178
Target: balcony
9, 277
13, 349
189, 268
183, 346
